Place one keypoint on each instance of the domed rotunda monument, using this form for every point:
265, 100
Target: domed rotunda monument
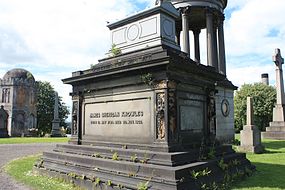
18, 96
195, 16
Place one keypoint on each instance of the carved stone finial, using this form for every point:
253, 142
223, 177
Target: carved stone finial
277, 58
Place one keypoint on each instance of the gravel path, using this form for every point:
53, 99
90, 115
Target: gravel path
10, 152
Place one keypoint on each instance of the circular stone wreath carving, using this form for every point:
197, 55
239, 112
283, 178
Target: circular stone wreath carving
225, 107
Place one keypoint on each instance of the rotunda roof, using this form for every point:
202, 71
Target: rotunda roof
18, 74
181, 3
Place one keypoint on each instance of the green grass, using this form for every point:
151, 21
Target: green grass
270, 168
21, 170
269, 175
22, 140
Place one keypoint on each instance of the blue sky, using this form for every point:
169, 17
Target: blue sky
53, 38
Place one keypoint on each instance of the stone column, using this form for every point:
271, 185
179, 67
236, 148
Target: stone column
211, 49
196, 34
250, 136
185, 44
215, 48
222, 55
278, 113
249, 111
265, 78
55, 132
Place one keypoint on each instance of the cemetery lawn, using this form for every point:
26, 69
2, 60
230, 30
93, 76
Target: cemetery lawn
22, 140
21, 170
270, 172
270, 168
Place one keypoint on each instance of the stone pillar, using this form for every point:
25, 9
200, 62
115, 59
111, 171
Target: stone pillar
222, 54
185, 44
250, 136
215, 48
55, 132
249, 111
196, 34
210, 40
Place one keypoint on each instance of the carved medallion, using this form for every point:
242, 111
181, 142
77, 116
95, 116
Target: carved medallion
225, 107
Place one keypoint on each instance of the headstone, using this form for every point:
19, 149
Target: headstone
55, 132
276, 129
250, 136
3, 123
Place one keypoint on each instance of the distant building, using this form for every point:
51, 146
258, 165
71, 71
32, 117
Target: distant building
18, 96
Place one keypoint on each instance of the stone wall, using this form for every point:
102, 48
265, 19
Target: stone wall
224, 117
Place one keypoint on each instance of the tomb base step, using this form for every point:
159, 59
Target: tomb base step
114, 173
277, 135
273, 128
152, 157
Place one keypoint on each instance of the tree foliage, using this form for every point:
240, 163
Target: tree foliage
264, 99
45, 108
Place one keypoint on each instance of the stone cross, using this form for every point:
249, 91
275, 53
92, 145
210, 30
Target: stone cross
278, 60
249, 111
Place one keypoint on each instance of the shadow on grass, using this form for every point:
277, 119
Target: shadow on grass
274, 145
266, 176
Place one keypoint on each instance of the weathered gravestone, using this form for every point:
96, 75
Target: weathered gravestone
276, 129
55, 132
250, 136
3, 123
147, 115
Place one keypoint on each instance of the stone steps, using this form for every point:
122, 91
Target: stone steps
75, 162
275, 128
159, 158
278, 135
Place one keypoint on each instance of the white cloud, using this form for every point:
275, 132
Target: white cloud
252, 33
53, 38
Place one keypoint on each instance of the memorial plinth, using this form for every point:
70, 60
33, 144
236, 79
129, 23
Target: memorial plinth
276, 129
56, 132
133, 130
250, 136
145, 117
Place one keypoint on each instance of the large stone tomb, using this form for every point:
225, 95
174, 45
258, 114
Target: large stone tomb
143, 117
146, 117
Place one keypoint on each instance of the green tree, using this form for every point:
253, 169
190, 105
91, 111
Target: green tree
264, 99
45, 108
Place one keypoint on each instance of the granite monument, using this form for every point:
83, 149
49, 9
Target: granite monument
148, 115
18, 96
55, 131
276, 129
250, 136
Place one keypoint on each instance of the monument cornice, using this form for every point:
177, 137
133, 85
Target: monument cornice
160, 56
165, 8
